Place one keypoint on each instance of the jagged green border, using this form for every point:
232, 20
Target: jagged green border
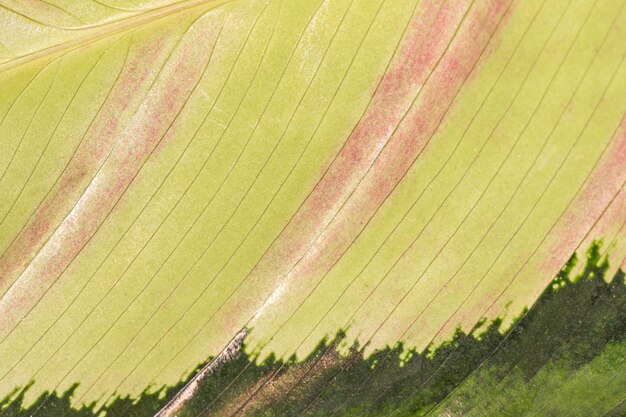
550, 362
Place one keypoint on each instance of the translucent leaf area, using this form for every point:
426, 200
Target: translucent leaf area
373, 198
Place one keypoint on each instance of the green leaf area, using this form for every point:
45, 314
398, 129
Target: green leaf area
564, 356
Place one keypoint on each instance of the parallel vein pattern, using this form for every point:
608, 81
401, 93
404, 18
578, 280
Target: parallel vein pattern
415, 172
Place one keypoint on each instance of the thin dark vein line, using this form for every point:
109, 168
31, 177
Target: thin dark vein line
621, 231
324, 276
302, 153
10, 332
107, 23
148, 283
460, 180
118, 200
432, 375
464, 176
122, 236
80, 292
87, 282
67, 12
467, 215
4, 48
32, 19
156, 77
359, 182
275, 373
151, 152
553, 355
27, 128
522, 267
343, 79
182, 108
117, 77
270, 244
254, 182
516, 190
510, 331
419, 196
268, 104
74, 366
241, 283
19, 95
284, 132
523, 180
558, 350
50, 138
124, 24
101, 165
207, 323
526, 218
56, 181
113, 147
580, 188
123, 9
480, 151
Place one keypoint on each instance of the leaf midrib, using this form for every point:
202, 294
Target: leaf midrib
98, 32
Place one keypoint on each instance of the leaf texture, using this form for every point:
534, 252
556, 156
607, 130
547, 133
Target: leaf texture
173, 172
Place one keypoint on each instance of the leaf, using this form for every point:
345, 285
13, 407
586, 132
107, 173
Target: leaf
176, 172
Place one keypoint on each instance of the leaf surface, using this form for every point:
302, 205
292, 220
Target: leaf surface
173, 172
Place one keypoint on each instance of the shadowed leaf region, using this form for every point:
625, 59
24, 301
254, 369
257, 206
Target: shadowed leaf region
569, 344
